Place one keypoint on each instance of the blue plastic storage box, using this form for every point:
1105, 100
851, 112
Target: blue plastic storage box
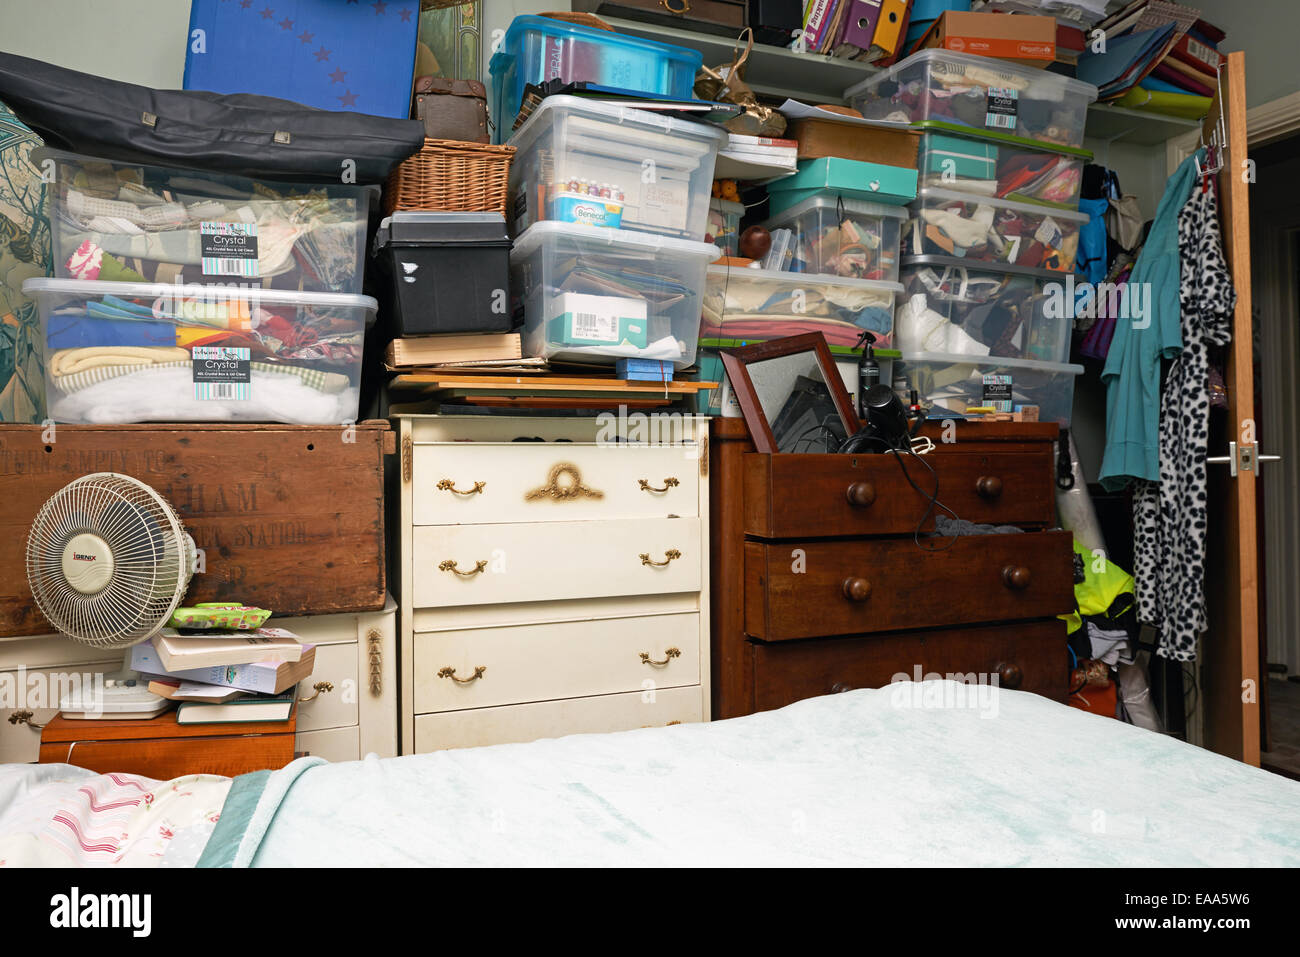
536, 49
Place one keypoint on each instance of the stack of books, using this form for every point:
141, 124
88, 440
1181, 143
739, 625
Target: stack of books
220, 676
757, 158
1160, 56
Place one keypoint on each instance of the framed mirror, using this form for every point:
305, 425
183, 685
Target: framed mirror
791, 394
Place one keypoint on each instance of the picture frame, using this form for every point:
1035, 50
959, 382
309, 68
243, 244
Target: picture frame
791, 394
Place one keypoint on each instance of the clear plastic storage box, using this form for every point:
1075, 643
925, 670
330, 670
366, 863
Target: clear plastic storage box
127, 222
841, 237
119, 352
598, 165
755, 305
979, 93
945, 223
592, 294
537, 49
724, 225
959, 383
1001, 167
956, 306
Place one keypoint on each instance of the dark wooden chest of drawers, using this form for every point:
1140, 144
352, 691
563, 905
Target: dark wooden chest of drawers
820, 585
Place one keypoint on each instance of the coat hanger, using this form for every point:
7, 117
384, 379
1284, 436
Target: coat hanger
1217, 147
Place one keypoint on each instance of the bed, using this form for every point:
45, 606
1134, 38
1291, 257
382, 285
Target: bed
914, 774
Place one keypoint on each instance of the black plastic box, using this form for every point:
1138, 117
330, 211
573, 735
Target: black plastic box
446, 272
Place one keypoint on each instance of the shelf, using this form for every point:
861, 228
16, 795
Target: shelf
1134, 126
771, 71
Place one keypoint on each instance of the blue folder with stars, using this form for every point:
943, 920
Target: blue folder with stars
354, 55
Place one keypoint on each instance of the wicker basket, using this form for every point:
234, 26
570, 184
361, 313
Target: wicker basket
451, 175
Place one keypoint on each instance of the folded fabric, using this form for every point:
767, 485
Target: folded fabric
166, 394
92, 375
918, 328
71, 361
79, 330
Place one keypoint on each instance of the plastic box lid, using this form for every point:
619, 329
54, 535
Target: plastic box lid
1032, 365
727, 206
931, 127
1039, 79
527, 242
87, 288
796, 278
948, 196
621, 115
562, 28
860, 207
442, 229
985, 267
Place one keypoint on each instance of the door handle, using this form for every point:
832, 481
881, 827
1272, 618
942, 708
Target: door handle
1242, 458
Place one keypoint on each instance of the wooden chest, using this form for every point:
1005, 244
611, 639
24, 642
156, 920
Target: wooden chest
289, 518
820, 585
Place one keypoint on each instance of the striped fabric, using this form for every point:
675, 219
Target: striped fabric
313, 378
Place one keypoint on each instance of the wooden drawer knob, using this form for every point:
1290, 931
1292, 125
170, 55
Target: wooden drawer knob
1016, 576
857, 589
1010, 676
860, 494
988, 487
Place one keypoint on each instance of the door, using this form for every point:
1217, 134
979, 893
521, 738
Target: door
1230, 659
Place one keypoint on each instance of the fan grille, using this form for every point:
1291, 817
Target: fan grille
152, 560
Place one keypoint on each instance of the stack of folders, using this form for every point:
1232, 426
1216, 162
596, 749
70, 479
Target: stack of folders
225, 676
1160, 56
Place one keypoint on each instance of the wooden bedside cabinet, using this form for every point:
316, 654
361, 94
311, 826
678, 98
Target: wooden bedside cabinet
819, 585
162, 749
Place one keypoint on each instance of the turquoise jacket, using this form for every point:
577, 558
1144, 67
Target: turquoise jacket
1148, 329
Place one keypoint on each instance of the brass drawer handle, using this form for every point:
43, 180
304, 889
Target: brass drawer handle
860, 494
669, 482
988, 487
857, 589
450, 566
449, 485
450, 672
322, 687
25, 717
1016, 576
670, 654
668, 557
573, 488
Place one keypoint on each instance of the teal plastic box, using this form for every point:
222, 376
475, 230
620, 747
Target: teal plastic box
852, 179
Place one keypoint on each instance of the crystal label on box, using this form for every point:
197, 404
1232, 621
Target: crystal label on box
222, 372
229, 249
1003, 108
997, 392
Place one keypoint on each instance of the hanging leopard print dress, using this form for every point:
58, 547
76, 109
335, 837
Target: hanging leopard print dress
1169, 516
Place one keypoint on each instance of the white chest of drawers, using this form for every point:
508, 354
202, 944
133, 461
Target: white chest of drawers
550, 587
347, 708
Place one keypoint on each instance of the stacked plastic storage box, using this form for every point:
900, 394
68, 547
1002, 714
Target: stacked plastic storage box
188, 296
610, 209
994, 230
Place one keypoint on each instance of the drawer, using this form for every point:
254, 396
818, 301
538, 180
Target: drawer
794, 496
1029, 656
546, 561
335, 744
337, 706
38, 690
812, 589
476, 482
559, 660
554, 719
166, 758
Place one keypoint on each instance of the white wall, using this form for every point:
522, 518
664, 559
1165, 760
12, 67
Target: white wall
1268, 30
139, 41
